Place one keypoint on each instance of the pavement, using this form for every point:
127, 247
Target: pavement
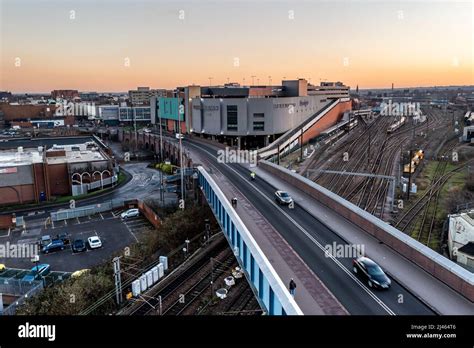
308, 235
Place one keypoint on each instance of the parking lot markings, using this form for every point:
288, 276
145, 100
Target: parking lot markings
78, 222
101, 216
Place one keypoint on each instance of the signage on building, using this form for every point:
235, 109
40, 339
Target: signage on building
8, 170
304, 103
283, 106
206, 107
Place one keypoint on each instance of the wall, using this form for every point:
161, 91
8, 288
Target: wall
330, 119
437, 265
17, 194
58, 179
280, 114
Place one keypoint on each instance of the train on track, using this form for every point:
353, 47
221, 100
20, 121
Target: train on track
469, 118
415, 162
394, 126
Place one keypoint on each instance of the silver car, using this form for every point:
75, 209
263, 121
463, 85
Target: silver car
282, 197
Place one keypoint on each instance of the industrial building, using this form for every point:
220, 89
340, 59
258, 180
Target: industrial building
41, 169
38, 115
461, 238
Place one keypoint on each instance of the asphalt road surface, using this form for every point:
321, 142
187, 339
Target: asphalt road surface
308, 236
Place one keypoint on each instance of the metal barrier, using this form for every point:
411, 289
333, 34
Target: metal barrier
20, 288
86, 210
259, 271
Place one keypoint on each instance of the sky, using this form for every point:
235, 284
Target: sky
117, 45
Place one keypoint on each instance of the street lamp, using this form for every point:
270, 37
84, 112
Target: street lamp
187, 245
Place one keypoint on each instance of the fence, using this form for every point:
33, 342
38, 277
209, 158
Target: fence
86, 210
20, 288
84, 188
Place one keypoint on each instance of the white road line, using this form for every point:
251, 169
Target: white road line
78, 221
101, 215
310, 237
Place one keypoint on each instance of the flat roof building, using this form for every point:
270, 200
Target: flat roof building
35, 174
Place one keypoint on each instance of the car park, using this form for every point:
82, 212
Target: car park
371, 272
55, 245
282, 197
130, 213
37, 272
79, 245
94, 242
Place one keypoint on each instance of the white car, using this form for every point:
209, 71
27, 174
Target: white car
179, 136
94, 242
130, 213
146, 130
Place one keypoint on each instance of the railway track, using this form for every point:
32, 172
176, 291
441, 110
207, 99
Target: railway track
370, 193
199, 288
150, 303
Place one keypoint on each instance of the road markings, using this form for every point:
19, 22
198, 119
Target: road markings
310, 237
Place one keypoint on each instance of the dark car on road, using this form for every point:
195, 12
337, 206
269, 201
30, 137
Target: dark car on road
79, 245
55, 245
370, 271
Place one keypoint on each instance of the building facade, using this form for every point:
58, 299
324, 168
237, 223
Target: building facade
142, 95
35, 174
258, 114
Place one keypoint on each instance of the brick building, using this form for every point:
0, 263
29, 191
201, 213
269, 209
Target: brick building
35, 174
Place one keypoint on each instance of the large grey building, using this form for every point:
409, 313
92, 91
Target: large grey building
257, 114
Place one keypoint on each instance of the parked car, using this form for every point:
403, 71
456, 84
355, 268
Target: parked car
94, 242
79, 245
45, 240
371, 271
64, 237
2, 267
179, 136
130, 213
282, 197
79, 273
37, 272
55, 245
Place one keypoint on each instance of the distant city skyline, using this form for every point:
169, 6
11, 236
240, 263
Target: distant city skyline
115, 46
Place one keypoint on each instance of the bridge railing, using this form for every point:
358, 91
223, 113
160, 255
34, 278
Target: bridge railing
258, 270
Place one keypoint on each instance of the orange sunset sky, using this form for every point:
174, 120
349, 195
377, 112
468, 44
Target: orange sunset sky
87, 45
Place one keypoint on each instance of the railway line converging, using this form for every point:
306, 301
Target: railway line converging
372, 158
